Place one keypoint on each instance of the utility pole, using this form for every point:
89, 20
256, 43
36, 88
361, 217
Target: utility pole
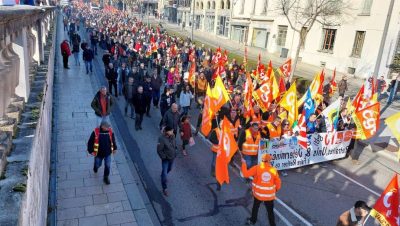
383, 40
148, 14
194, 2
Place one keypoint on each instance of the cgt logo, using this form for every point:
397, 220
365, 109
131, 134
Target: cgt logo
338, 137
369, 122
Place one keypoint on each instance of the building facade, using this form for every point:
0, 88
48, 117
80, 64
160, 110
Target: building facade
366, 42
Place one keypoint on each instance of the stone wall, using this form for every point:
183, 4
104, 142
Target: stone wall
26, 114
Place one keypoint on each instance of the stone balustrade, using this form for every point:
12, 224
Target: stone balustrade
26, 72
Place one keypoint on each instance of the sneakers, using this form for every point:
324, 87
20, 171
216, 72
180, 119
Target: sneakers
106, 180
249, 222
165, 192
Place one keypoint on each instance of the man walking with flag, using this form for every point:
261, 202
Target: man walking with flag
266, 183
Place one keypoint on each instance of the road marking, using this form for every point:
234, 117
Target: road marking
294, 212
277, 199
356, 182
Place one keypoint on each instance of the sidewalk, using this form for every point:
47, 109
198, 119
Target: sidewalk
82, 197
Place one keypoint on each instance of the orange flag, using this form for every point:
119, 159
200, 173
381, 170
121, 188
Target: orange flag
285, 69
367, 121
263, 95
192, 76
386, 209
227, 148
208, 113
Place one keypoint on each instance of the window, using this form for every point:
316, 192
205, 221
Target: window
228, 4
197, 5
329, 39
213, 5
358, 44
201, 5
222, 4
282, 32
223, 26
366, 8
208, 5
242, 7
265, 7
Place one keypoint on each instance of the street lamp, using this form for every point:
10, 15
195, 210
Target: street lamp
194, 2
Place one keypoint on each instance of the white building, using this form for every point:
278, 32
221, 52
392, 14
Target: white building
354, 47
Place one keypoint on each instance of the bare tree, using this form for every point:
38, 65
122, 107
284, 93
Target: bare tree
303, 14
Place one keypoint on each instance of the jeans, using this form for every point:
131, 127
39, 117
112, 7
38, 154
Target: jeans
112, 84
120, 88
138, 120
107, 164
269, 205
156, 97
185, 111
129, 105
393, 92
76, 56
94, 47
88, 65
251, 160
166, 165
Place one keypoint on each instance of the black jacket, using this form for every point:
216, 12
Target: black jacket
139, 102
104, 143
111, 74
88, 55
166, 147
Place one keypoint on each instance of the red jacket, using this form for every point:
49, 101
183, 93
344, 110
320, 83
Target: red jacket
65, 48
187, 131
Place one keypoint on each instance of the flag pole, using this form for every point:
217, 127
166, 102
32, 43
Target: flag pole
366, 219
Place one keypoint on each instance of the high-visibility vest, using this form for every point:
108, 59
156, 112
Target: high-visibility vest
265, 182
215, 147
250, 146
235, 128
96, 140
274, 132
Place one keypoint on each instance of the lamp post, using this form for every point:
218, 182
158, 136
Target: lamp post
192, 36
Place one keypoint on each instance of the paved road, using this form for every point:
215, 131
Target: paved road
316, 194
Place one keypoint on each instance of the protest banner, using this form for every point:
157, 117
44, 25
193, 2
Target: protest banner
322, 147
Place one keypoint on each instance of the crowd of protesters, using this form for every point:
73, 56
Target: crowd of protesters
154, 71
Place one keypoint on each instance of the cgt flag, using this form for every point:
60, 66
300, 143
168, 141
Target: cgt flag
386, 209
289, 102
208, 113
285, 69
367, 121
219, 95
227, 148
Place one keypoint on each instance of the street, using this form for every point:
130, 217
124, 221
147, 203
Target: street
309, 196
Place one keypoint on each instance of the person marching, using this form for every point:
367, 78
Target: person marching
166, 149
266, 183
101, 145
248, 143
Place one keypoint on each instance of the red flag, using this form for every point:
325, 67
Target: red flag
386, 209
248, 100
282, 85
302, 138
333, 84
227, 148
285, 69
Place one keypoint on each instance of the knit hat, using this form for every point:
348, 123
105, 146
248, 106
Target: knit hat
168, 128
